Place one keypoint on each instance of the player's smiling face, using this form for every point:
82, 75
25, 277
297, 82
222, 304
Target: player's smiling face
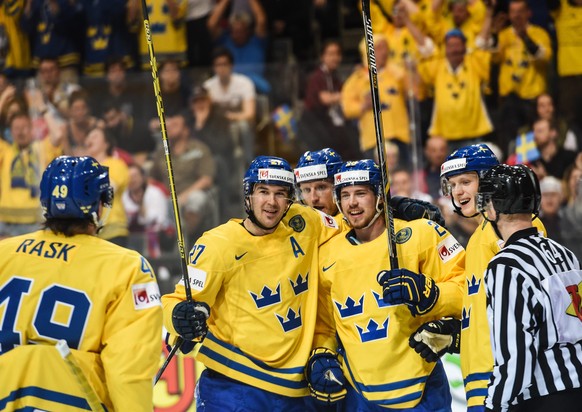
358, 204
464, 188
269, 203
319, 195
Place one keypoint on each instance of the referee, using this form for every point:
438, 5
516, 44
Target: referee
534, 289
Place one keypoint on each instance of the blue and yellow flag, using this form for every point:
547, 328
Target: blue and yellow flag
285, 122
526, 150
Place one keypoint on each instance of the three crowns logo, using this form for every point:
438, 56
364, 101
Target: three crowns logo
373, 331
293, 320
300, 285
267, 298
350, 308
473, 285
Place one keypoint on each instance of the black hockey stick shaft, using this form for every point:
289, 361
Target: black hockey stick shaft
168, 359
373, 73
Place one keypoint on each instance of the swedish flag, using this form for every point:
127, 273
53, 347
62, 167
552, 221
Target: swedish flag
285, 122
526, 150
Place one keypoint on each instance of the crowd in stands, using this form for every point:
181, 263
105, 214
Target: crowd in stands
76, 80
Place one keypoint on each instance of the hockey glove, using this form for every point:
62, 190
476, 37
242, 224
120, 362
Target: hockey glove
408, 209
419, 292
435, 338
324, 376
189, 319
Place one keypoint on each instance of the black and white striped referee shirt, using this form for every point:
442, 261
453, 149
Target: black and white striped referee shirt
534, 289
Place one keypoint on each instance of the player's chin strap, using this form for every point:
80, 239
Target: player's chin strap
100, 223
379, 211
458, 210
253, 218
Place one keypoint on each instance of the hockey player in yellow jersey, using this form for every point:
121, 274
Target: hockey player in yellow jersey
259, 278
64, 283
460, 176
370, 335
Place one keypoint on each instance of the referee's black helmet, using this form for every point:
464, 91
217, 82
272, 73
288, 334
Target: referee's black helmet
511, 190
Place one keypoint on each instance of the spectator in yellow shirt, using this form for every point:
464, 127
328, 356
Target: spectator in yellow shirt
21, 165
356, 101
568, 20
523, 53
459, 113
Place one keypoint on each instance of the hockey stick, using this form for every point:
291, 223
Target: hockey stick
91, 397
373, 72
172, 186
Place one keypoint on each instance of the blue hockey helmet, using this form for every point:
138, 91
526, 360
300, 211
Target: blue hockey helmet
510, 189
359, 172
317, 165
269, 170
73, 188
476, 158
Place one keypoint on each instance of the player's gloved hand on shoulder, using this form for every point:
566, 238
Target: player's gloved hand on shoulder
189, 319
408, 209
419, 292
324, 376
432, 339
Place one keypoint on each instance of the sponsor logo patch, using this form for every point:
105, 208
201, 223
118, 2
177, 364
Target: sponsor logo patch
315, 172
452, 165
448, 248
146, 295
328, 220
276, 174
197, 278
353, 176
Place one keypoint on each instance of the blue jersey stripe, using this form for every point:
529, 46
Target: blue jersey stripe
46, 394
252, 372
260, 364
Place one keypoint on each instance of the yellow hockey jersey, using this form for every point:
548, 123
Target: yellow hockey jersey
101, 298
262, 291
168, 35
458, 95
116, 224
520, 72
476, 352
392, 94
20, 173
373, 336
568, 20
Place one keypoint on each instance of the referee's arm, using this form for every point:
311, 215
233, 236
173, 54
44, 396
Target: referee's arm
510, 308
